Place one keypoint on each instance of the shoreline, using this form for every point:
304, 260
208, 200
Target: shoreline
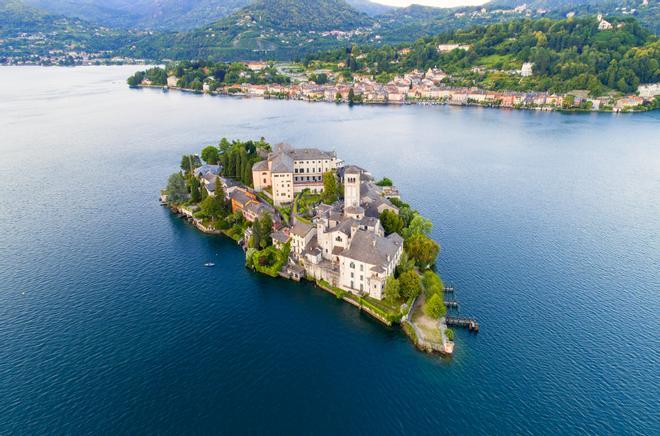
404, 321
416, 102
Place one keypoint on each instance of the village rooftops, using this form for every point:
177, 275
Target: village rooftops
301, 229
262, 165
206, 169
282, 163
311, 154
352, 169
369, 248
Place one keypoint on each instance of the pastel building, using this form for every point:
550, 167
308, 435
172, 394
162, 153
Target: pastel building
288, 171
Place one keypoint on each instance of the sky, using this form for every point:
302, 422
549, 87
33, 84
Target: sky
438, 3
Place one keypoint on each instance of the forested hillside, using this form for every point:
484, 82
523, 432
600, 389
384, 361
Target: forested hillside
566, 54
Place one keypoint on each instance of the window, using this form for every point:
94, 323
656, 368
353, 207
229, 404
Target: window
352, 284
352, 265
361, 278
264, 181
352, 275
361, 287
361, 267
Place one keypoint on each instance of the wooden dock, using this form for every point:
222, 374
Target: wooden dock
449, 289
460, 321
451, 304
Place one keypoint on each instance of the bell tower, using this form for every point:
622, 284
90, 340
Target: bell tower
352, 187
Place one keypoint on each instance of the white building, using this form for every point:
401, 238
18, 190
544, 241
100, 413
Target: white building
527, 69
349, 248
649, 90
289, 171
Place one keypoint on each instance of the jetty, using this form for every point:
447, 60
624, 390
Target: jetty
460, 321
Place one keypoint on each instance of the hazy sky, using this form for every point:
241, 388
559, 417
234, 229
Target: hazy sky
440, 3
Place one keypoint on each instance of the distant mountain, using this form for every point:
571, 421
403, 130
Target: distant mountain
145, 14
275, 29
164, 14
369, 7
27, 33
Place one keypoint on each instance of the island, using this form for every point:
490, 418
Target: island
304, 214
575, 64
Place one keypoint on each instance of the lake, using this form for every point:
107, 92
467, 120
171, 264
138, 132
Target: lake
550, 231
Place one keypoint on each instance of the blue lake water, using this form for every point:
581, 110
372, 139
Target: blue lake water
550, 231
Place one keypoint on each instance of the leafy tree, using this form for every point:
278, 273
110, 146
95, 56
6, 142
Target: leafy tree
319, 79
210, 154
195, 193
405, 264
432, 283
261, 230
391, 221
418, 226
330, 192
213, 207
176, 189
219, 192
435, 307
406, 214
384, 182
190, 162
392, 290
410, 284
422, 249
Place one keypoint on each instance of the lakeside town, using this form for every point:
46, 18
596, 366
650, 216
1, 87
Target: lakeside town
415, 87
303, 214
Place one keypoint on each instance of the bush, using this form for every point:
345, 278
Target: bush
432, 284
409, 284
435, 307
449, 333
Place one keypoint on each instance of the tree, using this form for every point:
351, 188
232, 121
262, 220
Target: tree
391, 221
384, 182
195, 193
261, 229
176, 189
210, 154
219, 192
213, 207
351, 96
418, 226
392, 290
422, 249
432, 284
405, 264
189, 162
410, 284
330, 189
435, 307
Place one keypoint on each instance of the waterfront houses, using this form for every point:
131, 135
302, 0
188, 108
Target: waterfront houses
431, 87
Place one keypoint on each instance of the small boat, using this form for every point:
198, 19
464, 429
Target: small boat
209, 264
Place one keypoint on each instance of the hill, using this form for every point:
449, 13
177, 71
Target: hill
272, 29
163, 14
565, 55
144, 14
29, 34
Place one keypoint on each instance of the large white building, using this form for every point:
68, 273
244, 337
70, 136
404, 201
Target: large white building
348, 247
289, 171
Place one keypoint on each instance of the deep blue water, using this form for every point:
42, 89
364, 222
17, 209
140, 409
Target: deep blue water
550, 227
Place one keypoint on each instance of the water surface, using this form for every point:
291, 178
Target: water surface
550, 231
